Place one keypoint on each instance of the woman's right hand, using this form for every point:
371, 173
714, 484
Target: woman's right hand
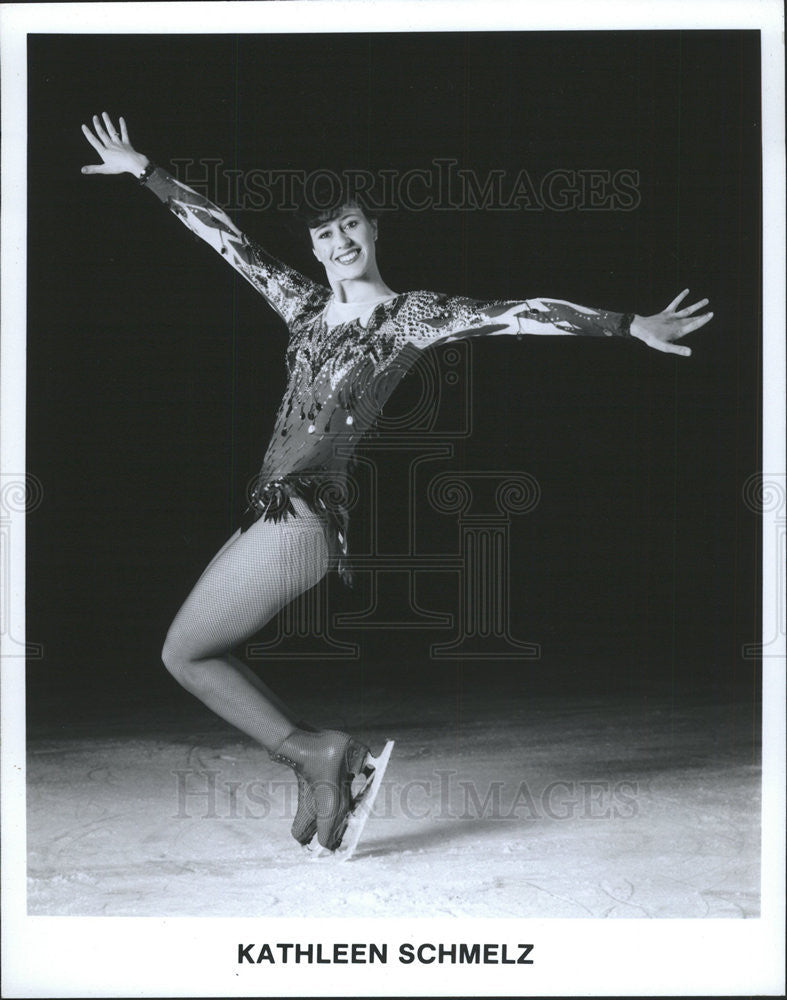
114, 148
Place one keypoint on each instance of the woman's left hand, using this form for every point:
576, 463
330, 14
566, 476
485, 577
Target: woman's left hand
661, 330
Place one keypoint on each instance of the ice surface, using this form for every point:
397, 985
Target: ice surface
552, 808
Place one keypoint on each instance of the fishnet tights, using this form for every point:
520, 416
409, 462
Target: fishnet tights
252, 577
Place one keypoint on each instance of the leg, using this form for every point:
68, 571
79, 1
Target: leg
253, 576
241, 667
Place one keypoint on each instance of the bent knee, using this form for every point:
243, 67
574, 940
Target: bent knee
179, 660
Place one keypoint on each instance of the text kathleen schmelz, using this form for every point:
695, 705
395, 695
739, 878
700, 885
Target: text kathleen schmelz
363, 953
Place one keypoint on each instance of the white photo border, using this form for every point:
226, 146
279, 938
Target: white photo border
45, 957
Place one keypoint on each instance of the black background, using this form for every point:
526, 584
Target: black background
154, 371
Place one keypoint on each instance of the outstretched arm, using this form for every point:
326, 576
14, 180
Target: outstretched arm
440, 318
285, 289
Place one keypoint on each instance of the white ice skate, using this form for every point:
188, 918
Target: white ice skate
370, 778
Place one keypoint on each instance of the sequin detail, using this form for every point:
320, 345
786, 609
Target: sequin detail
340, 376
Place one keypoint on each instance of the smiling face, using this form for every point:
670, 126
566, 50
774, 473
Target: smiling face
344, 245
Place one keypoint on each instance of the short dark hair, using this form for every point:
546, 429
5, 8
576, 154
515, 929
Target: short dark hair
323, 194
312, 216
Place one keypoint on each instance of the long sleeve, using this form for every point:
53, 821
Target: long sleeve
431, 319
285, 289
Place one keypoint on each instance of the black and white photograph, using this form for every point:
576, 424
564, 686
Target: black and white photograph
392, 523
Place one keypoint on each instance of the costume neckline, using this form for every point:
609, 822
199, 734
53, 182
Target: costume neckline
375, 304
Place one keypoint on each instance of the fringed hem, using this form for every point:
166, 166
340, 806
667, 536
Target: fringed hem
273, 503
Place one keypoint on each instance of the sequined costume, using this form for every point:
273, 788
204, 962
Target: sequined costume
339, 376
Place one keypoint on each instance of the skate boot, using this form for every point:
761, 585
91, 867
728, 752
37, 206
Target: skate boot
327, 761
304, 826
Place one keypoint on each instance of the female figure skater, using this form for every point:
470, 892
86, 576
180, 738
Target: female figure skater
349, 345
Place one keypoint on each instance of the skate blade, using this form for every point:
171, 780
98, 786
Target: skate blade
374, 768
372, 771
